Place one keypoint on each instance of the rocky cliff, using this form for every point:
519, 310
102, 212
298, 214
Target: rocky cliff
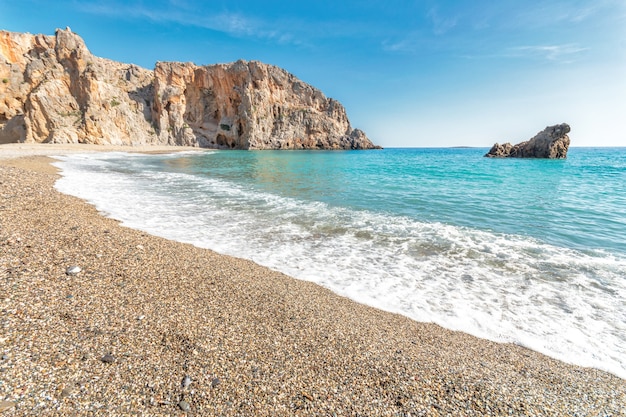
552, 143
54, 90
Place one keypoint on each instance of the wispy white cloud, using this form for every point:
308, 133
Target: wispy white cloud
441, 24
580, 15
411, 41
564, 53
180, 12
277, 28
406, 44
553, 13
231, 23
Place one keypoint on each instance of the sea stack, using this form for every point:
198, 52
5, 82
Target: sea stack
550, 143
54, 90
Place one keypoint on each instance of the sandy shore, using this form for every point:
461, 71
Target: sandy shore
17, 150
154, 327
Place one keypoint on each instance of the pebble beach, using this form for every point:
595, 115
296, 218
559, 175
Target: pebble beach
98, 319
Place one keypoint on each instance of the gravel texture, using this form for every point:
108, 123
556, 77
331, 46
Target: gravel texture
159, 328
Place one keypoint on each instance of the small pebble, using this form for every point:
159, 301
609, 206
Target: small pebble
186, 381
184, 405
108, 358
73, 270
215, 382
141, 317
5, 405
5, 357
66, 392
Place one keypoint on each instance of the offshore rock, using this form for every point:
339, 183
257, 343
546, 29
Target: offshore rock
54, 90
551, 143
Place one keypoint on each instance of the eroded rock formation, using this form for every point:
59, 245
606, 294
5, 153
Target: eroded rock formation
54, 90
247, 105
552, 143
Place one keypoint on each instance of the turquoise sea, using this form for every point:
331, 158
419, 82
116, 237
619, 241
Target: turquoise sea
526, 251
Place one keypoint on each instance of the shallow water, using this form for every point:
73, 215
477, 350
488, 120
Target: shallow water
524, 251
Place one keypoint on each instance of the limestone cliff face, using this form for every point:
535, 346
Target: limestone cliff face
247, 105
552, 143
54, 90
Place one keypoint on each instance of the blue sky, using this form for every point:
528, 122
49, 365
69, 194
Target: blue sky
410, 73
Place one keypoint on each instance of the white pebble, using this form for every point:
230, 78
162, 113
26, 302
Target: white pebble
73, 270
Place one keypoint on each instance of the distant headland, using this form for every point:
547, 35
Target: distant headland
54, 90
